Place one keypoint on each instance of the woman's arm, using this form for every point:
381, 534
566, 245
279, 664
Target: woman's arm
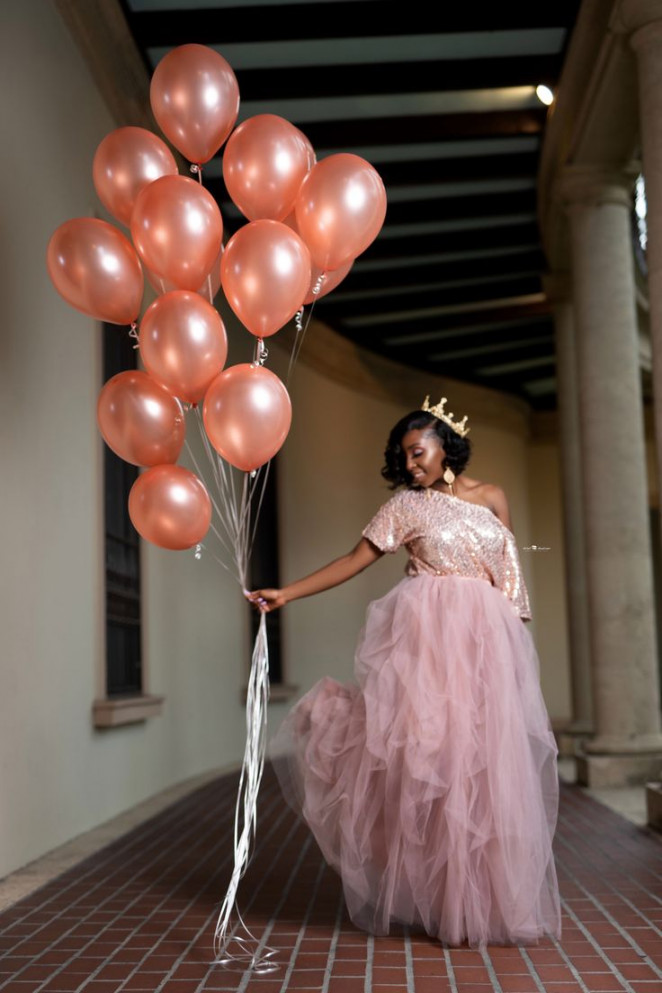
333, 574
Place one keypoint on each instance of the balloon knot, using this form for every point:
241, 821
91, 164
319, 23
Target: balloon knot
318, 285
261, 353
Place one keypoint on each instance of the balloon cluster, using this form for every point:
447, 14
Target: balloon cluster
307, 222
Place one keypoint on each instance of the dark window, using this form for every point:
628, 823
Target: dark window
264, 569
123, 632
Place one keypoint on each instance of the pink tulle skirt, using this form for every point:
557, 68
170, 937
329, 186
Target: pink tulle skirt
432, 786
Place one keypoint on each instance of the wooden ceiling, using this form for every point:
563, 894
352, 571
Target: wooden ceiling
442, 102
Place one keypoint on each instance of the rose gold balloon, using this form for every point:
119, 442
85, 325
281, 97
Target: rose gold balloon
195, 99
264, 164
126, 161
140, 420
340, 209
177, 229
183, 344
265, 274
96, 270
247, 414
209, 288
170, 507
331, 279
310, 151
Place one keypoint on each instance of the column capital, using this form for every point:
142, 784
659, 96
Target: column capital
635, 16
591, 186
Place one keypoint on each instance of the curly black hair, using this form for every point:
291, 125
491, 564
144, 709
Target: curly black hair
457, 449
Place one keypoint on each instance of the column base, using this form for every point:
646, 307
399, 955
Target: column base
571, 737
617, 769
654, 805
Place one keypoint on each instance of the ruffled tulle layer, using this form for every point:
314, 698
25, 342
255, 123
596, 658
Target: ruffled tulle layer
432, 786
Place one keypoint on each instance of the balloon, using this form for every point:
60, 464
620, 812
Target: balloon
312, 158
127, 160
340, 209
264, 163
94, 267
140, 420
177, 229
331, 279
183, 344
162, 285
169, 506
247, 414
265, 274
195, 99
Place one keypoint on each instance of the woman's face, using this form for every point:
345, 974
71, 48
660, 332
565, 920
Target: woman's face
424, 456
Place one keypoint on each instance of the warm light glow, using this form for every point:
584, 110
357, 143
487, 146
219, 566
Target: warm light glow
195, 220
179, 494
109, 262
545, 95
355, 197
210, 96
197, 330
283, 163
282, 262
261, 398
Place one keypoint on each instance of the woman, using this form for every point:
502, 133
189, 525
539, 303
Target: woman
431, 786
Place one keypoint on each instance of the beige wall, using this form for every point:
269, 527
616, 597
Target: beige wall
58, 776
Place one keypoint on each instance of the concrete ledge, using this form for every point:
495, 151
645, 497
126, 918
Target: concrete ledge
600, 771
118, 711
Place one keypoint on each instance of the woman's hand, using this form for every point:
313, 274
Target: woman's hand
267, 600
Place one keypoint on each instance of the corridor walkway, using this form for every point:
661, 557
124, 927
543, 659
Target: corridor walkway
140, 914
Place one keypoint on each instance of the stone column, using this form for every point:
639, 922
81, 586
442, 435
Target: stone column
643, 20
627, 747
558, 290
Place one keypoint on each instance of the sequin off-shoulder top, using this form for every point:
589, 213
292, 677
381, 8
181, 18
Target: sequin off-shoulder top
446, 535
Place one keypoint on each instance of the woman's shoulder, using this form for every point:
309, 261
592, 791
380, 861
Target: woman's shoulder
479, 492
488, 495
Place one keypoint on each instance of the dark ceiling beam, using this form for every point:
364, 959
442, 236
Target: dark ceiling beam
459, 169
397, 77
426, 128
456, 241
457, 207
374, 334
413, 302
291, 22
473, 269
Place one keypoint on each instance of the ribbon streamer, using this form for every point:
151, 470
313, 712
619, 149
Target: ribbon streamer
245, 818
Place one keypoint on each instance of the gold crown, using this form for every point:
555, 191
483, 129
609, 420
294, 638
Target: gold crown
438, 411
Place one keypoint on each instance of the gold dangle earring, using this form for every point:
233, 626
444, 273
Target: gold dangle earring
449, 478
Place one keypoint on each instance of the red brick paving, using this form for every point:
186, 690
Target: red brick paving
139, 915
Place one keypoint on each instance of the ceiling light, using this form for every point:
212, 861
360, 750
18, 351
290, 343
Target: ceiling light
545, 95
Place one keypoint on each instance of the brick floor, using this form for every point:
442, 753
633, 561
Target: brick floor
139, 915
